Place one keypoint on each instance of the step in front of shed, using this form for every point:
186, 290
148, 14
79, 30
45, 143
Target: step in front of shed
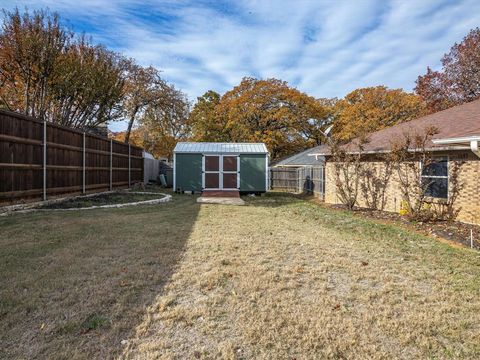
220, 193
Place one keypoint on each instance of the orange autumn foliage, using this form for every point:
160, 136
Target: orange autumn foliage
370, 109
270, 111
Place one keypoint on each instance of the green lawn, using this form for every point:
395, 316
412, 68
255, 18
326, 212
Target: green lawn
278, 278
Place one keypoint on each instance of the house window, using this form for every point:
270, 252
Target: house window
435, 178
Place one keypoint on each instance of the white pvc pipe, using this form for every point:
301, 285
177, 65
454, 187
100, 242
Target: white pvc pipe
111, 164
84, 161
474, 147
44, 160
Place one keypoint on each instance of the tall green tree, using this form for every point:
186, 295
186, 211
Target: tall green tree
204, 120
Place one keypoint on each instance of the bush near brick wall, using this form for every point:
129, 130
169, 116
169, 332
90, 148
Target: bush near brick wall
468, 201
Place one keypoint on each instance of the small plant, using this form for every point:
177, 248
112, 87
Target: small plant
94, 321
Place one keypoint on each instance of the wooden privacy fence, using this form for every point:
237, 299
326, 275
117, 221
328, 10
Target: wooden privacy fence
308, 179
40, 159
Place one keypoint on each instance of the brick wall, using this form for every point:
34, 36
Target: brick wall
468, 200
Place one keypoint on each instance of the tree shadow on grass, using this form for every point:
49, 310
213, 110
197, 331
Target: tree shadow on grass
77, 284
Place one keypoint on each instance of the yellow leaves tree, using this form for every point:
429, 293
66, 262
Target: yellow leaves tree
370, 109
140, 136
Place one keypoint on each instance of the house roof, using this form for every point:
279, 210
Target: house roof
223, 148
462, 121
301, 158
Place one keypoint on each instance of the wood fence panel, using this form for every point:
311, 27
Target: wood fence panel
308, 179
75, 161
284, 179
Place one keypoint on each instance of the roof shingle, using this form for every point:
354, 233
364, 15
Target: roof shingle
458, 121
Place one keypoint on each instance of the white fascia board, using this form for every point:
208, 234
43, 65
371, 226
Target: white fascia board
432, 149
465, 139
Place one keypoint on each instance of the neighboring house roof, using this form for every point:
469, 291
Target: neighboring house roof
462, 121
223, 148
301, 159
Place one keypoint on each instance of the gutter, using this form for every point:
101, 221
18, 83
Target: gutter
439, 148
473, 141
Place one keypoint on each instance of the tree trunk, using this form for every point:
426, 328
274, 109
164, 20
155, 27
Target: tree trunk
130, 125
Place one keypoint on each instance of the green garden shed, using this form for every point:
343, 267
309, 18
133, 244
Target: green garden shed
220, 167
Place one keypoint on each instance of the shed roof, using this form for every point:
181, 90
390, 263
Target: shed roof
301, 158
220, 148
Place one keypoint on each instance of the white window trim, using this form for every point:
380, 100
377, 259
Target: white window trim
220, 171
437, 176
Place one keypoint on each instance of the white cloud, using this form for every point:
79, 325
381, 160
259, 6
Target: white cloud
325, 48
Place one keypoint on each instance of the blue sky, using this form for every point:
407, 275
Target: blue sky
325, 48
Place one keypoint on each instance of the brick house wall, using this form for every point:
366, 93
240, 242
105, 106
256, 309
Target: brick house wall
468, 201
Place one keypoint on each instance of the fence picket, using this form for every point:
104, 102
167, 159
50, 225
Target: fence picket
39, 158
309, 179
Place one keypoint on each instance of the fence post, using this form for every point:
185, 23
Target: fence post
111, 164
129, 166
45, 160
311, 184
84, 163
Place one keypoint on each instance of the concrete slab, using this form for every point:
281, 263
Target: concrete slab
221, 200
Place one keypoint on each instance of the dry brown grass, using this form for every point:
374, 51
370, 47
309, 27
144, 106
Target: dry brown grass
73, 285
285, 279
279, 278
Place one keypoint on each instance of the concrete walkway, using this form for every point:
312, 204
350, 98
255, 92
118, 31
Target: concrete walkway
220, 200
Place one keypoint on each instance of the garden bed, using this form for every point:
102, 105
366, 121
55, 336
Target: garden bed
110, 198
453, 231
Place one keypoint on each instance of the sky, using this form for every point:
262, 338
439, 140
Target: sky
323, 48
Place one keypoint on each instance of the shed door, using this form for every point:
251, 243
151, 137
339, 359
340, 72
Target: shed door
221, 172
212, 172
230, 172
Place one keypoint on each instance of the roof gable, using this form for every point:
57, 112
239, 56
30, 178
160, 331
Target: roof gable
301, 158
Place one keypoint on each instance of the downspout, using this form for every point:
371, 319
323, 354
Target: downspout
474, 147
